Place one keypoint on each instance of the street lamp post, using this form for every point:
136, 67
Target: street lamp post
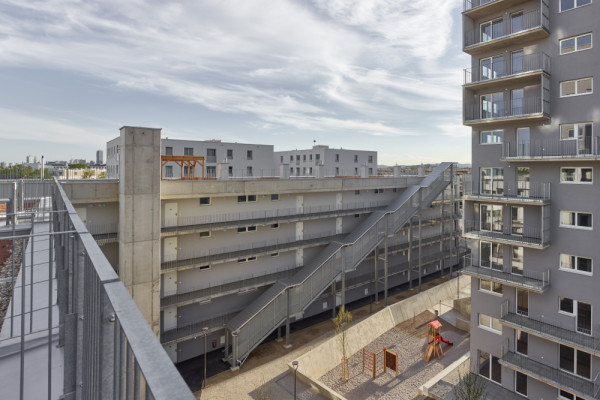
205, 331
295, 364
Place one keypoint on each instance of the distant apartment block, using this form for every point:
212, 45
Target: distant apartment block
334, 162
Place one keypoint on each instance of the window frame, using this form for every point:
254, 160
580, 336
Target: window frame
188, 150
575, 6
493, 136
204, 198
490, 327
578, 175
575, 269
576, 226
575, 364
575, 43
576, 86
526, 384
204, 234
491, 289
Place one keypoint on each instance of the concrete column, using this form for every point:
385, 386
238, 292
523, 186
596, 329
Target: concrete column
222, 171
376, 277
319, 171
397, 171
421, 170
284, 171
139, 219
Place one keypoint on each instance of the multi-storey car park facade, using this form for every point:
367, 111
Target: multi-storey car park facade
529, 99
245, 257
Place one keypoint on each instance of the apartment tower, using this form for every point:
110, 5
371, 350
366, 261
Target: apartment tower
529, 98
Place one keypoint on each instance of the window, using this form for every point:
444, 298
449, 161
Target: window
565, 305
490, 323
298, 157
298, 171
249, 259
317, 157
310, 157
304, 157
169, 151
517, 220
523, 302
490, 286
575, 131
188, 151
516, 101
281, 159
575, 361
522, 342
252, 228
204, 201
489, 367
241, 229
574, 263
188, 171
566, 5
517, 260
521, 383
516, 62
370, 159
276, 254
492, 67
204, 267
491, 218
516, 22
491, 30
568, 396
356, 215
576, 219
242, 199
249, 171
230, 171
356, 158
523, 182
337, 158
211, 155
492, 137
169, 171
377, 191
355, 171
492, 105
310, 172
576, 87
492, 255
249, 155
576, 43
205, 234
370, 171
274, 226
251, 197
357, 192
230, 154
211, 171
274, 197
291, 158
304, 171
492, 180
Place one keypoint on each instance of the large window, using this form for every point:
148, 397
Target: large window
248, 154
576, 175
580, 134
169, 171
491, 30
523, 181
169, 151
522, 342
567, 396
566, 5
521, 383
517, 214
517, 102
576, 87
523, 302
569, 262
211, 171
582, 311
492, 137
492, 181
188, 151
492, 105
516, 22
575, 361
492, 67
576, 219
489, 367
576, 43
490, 286
492, 255
487, 322
491, 218
517, 260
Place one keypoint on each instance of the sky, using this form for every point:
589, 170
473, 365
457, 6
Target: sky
380, 75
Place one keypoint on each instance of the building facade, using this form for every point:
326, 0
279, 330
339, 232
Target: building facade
225, 253
529, 98
334, 162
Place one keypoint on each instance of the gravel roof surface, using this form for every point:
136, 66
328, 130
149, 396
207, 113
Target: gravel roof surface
408, 341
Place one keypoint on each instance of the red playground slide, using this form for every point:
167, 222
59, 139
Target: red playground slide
445, 341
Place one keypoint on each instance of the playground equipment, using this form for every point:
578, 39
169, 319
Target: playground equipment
434, 346
384, 358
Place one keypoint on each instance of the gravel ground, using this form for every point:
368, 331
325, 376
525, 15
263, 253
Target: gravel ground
408, 341
6, 255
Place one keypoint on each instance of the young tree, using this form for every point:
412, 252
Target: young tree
87, 174
102, 175
469, 387
342, 323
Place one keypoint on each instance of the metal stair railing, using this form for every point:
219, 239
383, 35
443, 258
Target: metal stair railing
292, 296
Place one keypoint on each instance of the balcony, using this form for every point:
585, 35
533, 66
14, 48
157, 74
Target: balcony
584, 149
501, 71
476, 9
549, 330
533, 238
493, 108
549, 375
504, 32
510, 192
534, 281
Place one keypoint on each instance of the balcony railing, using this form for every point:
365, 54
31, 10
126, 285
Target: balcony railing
507, 67
508, 108
472, 4
530, 20
550, 375
527, 192
210, 159
530, 280
527, 236
549, 329
574, 149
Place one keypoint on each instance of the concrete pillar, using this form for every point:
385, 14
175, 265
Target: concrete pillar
397, 171
364, 171
376, 277
284, 171
319, 171
222, 171
139, 219
421, 170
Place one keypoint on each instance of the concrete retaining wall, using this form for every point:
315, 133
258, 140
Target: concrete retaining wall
463, 306
327, 356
